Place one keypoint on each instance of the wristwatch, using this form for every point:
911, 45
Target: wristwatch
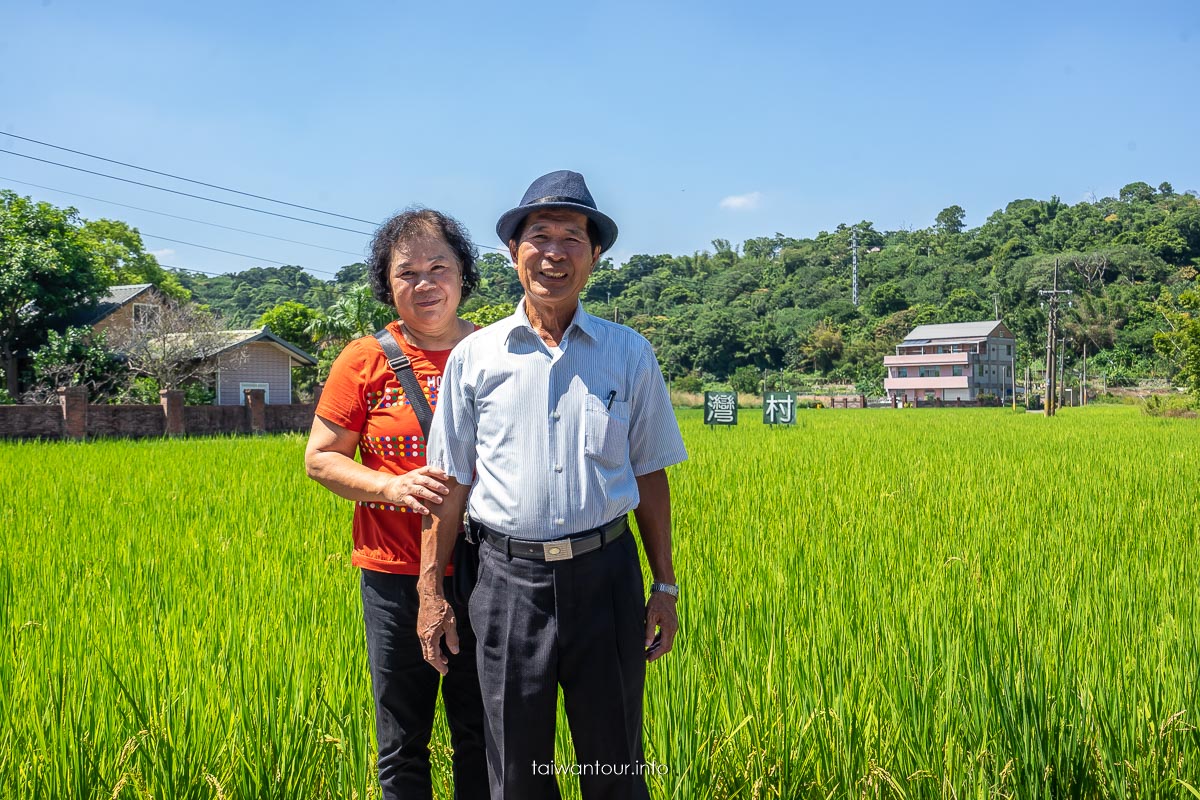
666, 588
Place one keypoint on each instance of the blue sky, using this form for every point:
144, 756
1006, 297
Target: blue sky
691, 121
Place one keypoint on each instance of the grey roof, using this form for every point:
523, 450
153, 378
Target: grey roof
956, 330
117, 296
243, 337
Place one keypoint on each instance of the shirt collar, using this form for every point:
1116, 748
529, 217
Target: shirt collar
519, 319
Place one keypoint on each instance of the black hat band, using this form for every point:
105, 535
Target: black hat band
575, 201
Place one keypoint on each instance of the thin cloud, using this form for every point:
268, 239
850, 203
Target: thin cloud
742, 202
167, 253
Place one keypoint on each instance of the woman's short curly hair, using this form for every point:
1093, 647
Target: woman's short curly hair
408, 226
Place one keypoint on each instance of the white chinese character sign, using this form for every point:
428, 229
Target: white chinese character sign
779, 408
720, 408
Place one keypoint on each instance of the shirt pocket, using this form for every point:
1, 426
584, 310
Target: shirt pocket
606, 432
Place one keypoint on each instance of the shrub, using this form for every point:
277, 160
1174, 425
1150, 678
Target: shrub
689, 383
746, 380
142, 390
1171, 405
199, 394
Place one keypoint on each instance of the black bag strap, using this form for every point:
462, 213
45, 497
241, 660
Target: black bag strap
408, 379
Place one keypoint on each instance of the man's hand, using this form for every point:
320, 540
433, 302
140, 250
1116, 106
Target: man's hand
417, 487
661, 625
435, 619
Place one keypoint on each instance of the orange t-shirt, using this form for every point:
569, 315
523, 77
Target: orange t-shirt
362, 394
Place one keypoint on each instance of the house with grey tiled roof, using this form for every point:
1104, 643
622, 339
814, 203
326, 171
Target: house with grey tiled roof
123, 306
246, 359
953, 361
256, 359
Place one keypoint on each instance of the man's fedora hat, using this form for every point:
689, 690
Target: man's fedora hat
563, 189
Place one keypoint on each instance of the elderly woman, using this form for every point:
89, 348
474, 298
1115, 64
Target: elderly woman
422, 263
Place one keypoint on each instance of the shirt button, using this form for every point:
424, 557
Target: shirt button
555, 415
560, 521
558, 467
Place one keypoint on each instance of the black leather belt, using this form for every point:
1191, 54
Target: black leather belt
556, 549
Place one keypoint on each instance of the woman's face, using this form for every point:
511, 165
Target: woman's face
426, 281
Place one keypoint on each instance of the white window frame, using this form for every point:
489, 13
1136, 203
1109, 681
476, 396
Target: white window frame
242, 387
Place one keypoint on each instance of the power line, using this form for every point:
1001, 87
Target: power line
222, 274
185, 219
190, 180
186, 194
207, 199
232, 253
189, 269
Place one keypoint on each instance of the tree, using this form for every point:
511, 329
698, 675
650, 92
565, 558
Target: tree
950, 220
745, 380
351, 275
1091, 267
885, 299
175, 347
118, 251
1190, 334
46, 272
1137, 192
963, 305
291, 321
499, 282
77, 357
1181, 341
486, 315
356, 313
823, 346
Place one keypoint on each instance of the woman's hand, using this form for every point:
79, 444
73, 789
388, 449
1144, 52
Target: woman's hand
417, 487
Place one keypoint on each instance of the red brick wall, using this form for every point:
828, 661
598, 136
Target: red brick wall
31, 422
214, 420
296, 417
125, 421
122, 421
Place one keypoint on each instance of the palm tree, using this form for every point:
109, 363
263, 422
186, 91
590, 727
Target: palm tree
356, 313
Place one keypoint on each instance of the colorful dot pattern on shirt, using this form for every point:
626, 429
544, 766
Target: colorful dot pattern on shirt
393, 396
384, 446
385, 507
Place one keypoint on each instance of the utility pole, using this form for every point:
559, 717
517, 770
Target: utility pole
1013, 375
1062, 373
854, 260
996, 306
1051, 339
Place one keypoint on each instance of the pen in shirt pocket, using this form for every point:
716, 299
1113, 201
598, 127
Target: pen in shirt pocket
611, 396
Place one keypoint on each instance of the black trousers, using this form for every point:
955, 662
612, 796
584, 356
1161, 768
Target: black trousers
577, 624
406, 690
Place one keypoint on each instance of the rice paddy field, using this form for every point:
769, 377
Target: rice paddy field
939, 603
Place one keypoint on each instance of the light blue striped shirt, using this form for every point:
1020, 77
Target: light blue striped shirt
553, 442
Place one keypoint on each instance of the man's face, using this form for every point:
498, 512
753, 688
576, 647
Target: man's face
554, 257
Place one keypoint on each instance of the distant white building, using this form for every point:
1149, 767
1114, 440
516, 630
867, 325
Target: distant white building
955, 361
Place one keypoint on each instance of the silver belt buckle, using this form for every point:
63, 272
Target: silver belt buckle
557, 551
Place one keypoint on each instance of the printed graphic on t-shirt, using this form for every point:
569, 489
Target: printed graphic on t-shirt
395, 395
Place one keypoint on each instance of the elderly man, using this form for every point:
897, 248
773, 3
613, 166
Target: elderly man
555, 424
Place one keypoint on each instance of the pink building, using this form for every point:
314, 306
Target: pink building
956, 361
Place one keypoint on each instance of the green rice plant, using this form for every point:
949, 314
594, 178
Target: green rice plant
938, 603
